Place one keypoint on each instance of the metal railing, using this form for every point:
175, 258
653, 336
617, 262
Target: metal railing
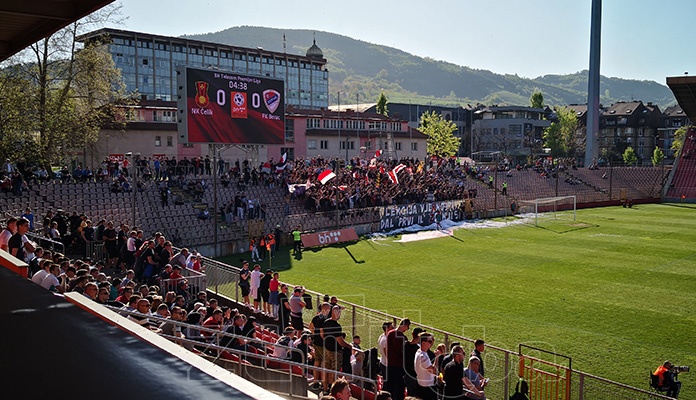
502, 365
47, 243
212, 349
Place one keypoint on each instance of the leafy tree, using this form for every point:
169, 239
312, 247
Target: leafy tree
678, 141
537, 100
560, 137
629, 156
70, 93
382, 105
441, 141
658, 157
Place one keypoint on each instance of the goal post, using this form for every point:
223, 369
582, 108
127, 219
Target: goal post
555, 207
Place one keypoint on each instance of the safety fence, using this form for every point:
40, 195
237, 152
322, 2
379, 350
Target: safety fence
46, 243
283, 376
547, 380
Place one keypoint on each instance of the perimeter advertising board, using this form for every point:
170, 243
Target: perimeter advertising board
229, 108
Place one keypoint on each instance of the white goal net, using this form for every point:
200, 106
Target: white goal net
553, 208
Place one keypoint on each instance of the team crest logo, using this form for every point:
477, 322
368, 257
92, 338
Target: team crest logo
272, 99
202, 99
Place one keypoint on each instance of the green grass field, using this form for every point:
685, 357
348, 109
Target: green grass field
615, 290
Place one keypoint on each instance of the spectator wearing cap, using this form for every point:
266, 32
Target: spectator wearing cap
286, 344
410, 350
472, 380
396, 341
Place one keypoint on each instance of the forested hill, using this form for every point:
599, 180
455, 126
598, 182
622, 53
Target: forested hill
359, 67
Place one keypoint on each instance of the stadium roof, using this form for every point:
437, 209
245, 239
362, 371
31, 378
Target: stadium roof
684, 89
25, 22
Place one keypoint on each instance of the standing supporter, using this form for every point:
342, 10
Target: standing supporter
110, 238
396, 340
244, 278
479, 347
410, 349
18, 245
264, 294
315, 328
273, 288
296, 304
453, 374
382, 347
425, 370
256, 276
284, 307
29, 216
7, 233
334, 343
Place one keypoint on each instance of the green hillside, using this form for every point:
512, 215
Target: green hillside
358, 67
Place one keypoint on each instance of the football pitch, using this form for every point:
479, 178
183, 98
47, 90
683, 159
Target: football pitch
614, 290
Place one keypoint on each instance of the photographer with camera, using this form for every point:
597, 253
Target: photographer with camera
667, 378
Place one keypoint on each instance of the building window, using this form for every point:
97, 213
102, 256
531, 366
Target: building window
397, 146
324, 144
414, 146
311, 144
350, 144
170, 141
313, 123
158, 141
289, 130
187, 145
368, 145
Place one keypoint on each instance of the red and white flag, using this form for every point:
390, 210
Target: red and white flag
378, 153
266, 167
343, 187
398, 168
326, 176
392, 177
283, 158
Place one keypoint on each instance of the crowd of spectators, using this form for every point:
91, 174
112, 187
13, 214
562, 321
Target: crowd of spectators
360, 183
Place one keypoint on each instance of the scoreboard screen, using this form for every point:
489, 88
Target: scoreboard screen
229, 108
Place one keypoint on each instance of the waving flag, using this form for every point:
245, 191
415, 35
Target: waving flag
326, 176
378, 153
392, 177
283, 158
398, 168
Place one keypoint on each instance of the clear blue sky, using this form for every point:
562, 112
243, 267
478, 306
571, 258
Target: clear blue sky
641, 39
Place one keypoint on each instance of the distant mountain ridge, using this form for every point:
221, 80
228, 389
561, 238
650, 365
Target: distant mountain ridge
365, 69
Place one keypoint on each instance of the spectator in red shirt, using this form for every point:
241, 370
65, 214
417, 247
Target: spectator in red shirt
213, 322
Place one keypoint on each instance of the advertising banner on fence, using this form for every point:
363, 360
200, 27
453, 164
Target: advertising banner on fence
405, 215
329, 237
